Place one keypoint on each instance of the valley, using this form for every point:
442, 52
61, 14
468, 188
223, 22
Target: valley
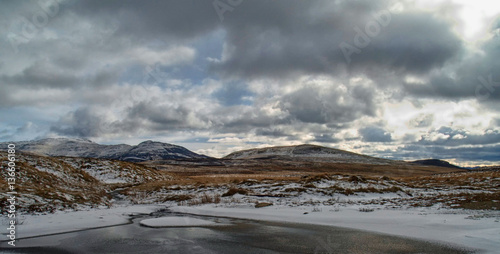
64, 192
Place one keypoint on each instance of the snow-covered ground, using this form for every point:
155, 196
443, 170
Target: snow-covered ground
67, 221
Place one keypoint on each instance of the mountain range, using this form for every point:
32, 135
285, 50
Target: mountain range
145, 151
158, 151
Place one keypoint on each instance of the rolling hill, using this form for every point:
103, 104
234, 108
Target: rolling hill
306, 152
435, 162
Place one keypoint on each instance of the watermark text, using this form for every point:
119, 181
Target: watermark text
11, 181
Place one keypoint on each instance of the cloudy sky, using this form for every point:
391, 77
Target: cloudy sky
395, 79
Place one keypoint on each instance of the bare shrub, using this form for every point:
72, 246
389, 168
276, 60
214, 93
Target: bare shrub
205, 198
309, 185
234, 190
357, 179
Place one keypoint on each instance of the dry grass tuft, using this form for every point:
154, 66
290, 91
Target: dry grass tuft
205, 198
233, 190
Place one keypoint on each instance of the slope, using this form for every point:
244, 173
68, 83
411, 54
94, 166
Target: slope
45, 184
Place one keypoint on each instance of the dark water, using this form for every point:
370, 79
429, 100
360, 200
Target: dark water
234, 236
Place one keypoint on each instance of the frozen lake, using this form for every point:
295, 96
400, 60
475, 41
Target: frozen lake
225, 236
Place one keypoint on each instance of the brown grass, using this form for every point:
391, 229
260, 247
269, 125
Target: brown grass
233, 190
479, 180
479, 201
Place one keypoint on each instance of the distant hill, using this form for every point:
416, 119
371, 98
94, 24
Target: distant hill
147, 150
307, 152
435, 162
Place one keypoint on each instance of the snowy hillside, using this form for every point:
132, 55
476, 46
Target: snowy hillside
150, 150
305, 152
112, 171
144, 151
48, 183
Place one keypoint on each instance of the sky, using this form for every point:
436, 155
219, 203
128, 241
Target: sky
401, 80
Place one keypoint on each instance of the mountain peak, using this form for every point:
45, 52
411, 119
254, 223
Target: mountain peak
148, 142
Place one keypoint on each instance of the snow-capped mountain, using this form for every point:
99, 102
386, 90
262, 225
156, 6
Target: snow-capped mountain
151, 150
306, 152
147, 150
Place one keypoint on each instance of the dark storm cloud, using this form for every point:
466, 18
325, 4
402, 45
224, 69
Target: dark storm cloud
475, 76
144, 116
41, 75
263, 38
301, 37
161, 117
272, 132
242, 119
295, 132
412, 43
467, 154
315, 104
178, 19
375, 134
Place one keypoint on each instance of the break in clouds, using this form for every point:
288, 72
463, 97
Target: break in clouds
387, 78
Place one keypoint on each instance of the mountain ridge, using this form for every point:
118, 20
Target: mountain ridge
84, 148
435, 162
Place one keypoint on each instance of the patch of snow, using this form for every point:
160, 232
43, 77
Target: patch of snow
61, 222
51, 171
